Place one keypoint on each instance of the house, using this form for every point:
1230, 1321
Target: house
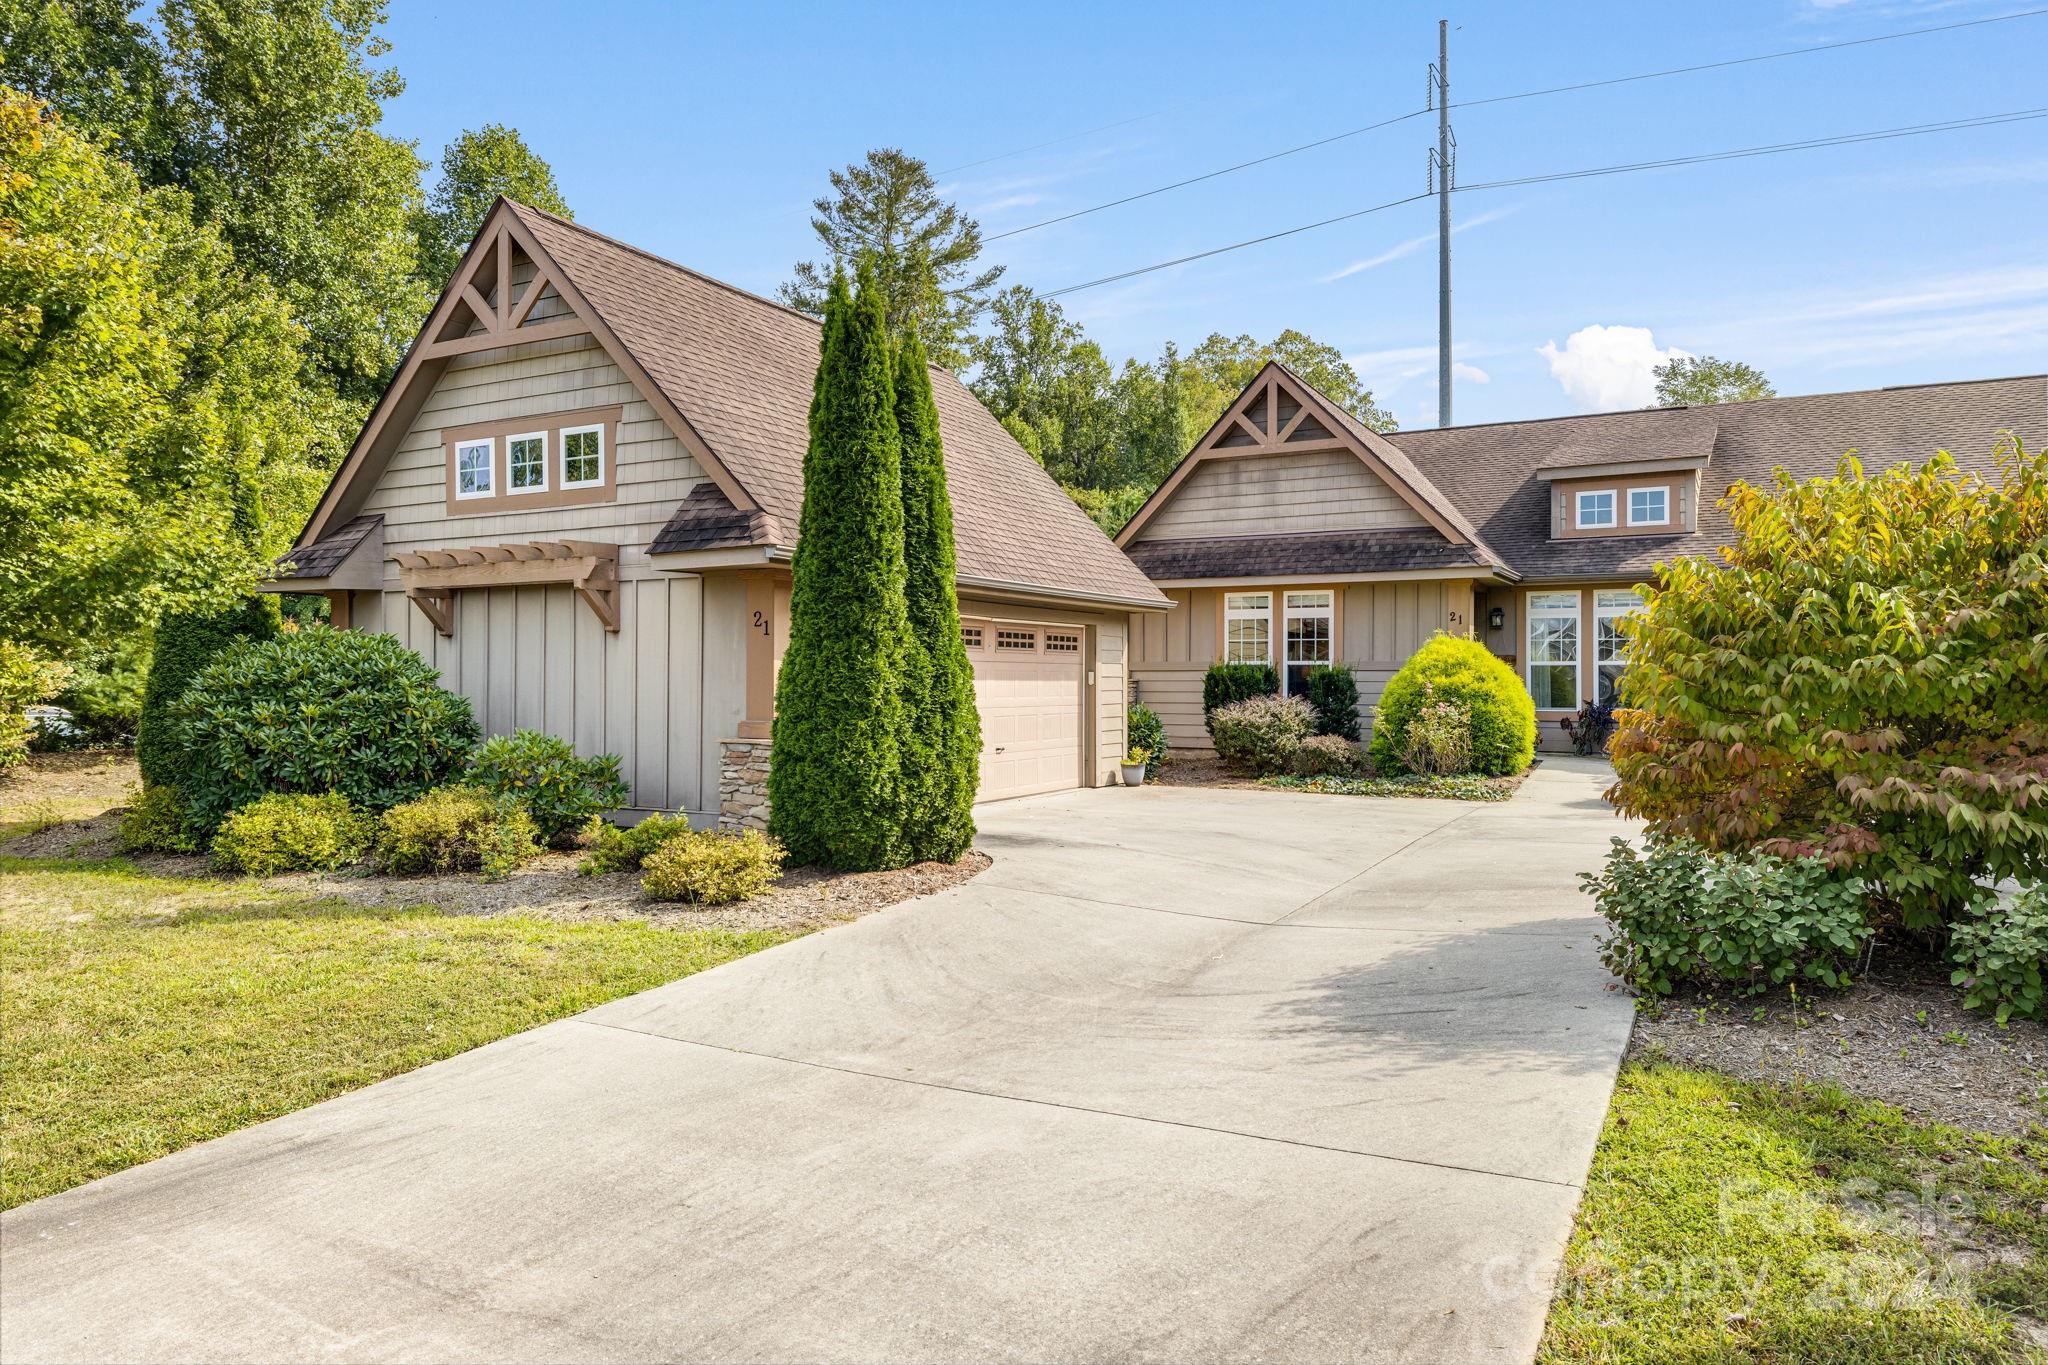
1292, 534
578, 497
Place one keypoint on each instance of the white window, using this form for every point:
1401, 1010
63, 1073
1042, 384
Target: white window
1610, 607
1310, 618
1248, 628
526, 462
474, 466
1649, 506
1596, 509
582, 457
1554, 650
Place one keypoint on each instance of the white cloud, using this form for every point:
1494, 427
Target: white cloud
1460, 370
1603, 368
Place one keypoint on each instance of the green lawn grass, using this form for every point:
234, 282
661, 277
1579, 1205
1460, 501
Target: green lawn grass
141, 1014
1727, 1221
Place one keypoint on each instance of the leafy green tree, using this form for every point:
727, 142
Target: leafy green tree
886, 211
1694, 381
1110, 508
274, 107
942, 727
1865, 679
1042, 377
834, 776
145, 384
99, 67
476, 168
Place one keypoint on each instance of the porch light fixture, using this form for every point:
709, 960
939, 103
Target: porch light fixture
1497, 618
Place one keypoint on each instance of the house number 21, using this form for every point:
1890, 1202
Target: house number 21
761, 622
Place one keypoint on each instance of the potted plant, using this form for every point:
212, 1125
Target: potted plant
1134, 766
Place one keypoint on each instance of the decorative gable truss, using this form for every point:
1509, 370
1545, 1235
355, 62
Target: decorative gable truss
1278, 414
484, 309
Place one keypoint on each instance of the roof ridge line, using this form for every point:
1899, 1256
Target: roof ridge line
1710, 407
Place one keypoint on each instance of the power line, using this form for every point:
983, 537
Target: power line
1209, 175
1235, 246
1490, 99
1771, 149
1746, 61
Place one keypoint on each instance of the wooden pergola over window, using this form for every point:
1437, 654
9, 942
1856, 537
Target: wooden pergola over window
433, 577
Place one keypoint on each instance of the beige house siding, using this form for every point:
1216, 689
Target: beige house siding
1381, 624
536, 658
534, 380
1325, 490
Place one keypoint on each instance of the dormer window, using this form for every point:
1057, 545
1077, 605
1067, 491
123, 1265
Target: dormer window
526, 458
474, 469
1649, 506
1596, 510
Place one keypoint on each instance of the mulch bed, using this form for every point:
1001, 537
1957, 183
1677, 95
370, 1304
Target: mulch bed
1900, 1035
1206, 770
550, 887
805, 898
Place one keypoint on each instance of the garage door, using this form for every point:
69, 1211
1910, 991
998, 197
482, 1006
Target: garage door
1027, 682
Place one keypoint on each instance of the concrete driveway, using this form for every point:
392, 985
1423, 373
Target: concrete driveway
1188, 1074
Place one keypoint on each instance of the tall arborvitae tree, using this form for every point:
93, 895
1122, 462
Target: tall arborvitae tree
834, 775
942, 744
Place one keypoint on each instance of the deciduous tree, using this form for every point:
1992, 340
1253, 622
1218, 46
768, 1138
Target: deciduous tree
1865, 678
145, 385
476, 168
1692, 381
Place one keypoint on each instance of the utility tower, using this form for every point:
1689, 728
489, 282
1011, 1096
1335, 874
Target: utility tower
1443, 165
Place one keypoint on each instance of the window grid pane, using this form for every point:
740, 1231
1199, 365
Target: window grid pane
1646, 506
527, 462
1596, 509
473, 469
582, 457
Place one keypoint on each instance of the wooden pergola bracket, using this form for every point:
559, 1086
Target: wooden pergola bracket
437, 605
433, 577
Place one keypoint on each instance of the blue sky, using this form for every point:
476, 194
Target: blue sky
701, 132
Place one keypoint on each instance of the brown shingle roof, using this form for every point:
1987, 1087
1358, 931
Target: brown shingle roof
1489, 471
326, 554
1321, 552
739, 368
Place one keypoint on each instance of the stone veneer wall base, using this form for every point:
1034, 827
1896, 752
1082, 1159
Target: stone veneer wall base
743, 784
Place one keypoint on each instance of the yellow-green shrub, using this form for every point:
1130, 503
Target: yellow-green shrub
160, 821
1466, 673
1863, 675
456, 829
714, 867
623, 850
292, 833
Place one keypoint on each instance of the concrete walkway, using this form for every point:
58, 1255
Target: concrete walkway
1188, 1074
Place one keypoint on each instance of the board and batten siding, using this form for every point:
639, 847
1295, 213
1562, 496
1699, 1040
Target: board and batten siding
1382, 624
537, 658
1322, 490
